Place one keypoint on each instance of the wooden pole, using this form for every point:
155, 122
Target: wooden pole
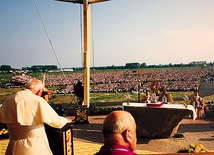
86, 63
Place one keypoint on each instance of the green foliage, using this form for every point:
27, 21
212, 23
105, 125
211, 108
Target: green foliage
5, 92
41, 68
106, 97
102, 110
132, 65
101, 98
5, 68
5, 78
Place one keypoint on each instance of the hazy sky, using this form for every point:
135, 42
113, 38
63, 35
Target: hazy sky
144, 31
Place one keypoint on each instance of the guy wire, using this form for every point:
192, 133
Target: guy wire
43, 24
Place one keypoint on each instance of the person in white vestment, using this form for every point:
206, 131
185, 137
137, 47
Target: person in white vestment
155, 92
25, 113
165, 97
198, 103
155, 96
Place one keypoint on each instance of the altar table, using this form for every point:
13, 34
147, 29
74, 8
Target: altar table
158, 121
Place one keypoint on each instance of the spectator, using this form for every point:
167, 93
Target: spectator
25, 113
125, 81
119, 134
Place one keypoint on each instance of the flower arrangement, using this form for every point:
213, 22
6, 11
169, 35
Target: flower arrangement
4, 133
193, 148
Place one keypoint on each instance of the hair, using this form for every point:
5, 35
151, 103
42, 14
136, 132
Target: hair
196, 90
116, 127
35, 84
115, 124
119, 128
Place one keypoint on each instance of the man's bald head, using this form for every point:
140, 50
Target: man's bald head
117, 121
119, 128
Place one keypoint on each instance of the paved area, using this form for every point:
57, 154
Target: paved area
197, 132
80, 148
89, 148
3, 146
88, 137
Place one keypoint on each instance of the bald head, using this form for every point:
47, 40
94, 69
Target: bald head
119, 128
117, 121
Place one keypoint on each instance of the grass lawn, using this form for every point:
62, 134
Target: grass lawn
101, 97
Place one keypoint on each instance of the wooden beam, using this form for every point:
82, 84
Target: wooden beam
81, 1
86, 63
86, 54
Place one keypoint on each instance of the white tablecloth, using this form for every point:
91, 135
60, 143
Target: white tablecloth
172, 106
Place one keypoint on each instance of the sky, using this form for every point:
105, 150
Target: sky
122, 31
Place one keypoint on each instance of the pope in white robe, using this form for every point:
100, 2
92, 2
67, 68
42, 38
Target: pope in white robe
25, 113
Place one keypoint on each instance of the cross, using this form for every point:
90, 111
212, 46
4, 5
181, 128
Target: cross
86, 54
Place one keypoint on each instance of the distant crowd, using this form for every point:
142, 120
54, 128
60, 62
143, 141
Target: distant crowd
127, 81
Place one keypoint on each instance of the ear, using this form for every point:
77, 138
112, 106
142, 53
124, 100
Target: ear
127, 134
38, 93
130, 139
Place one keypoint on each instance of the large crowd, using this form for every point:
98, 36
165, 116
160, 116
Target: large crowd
126, 81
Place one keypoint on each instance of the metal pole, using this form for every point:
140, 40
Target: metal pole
138, 82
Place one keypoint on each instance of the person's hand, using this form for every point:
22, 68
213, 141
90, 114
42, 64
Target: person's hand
69, 119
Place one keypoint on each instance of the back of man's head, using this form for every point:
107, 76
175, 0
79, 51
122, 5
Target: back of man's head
36, 86
119, 128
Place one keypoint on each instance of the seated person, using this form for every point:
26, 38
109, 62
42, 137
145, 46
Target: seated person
146, 98
165, 96
119, 134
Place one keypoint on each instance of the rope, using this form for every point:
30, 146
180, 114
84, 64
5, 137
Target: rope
52, 47
93, 53
81, 34
92, 34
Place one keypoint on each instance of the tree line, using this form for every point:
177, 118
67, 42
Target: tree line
133, 65
35, 68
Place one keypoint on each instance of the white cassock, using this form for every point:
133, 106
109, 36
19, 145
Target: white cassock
25, 115
154, 98
164, 99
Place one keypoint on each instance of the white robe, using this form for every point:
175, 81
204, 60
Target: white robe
25, 115
154, 98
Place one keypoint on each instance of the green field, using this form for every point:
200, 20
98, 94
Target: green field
101, 97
